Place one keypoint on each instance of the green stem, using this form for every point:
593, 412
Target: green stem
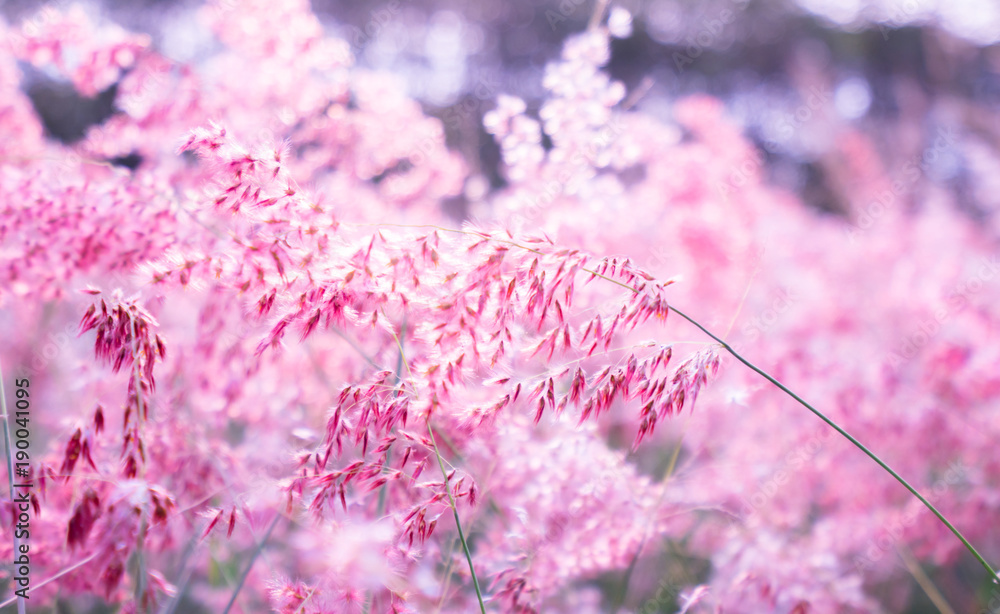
850, 438
458, 523
859, 445
447, 577
383, 492
671, 465
183, 577
253, 559
140, 568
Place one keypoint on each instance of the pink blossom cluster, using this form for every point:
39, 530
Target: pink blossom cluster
318, 371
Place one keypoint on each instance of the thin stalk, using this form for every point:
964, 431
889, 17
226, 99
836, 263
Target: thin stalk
184, 576
302, 606
924, 581
253, 559
53, 578
137, 380
850, 438
672, 464
140, 571
21, 607
447, 577
752, 367
494, 506
458, 523
834, 425
171, 607
357, 348
383, 492
598, 15
64, 571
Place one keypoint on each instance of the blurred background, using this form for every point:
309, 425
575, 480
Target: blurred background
835, 94
801, 76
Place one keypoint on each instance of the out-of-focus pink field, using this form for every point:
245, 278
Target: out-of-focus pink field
276, 336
